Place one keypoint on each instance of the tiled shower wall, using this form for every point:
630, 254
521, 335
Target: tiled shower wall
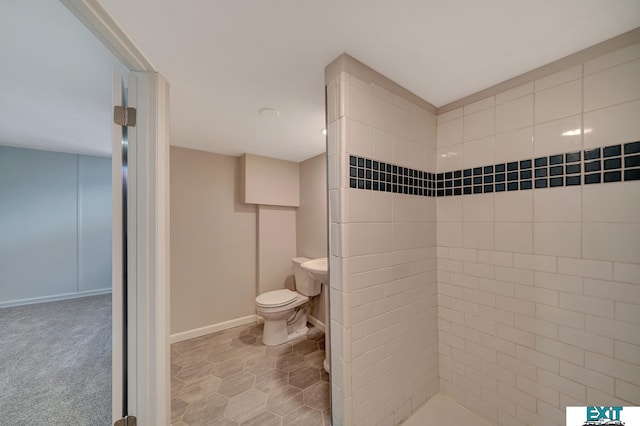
539, 257
383, 257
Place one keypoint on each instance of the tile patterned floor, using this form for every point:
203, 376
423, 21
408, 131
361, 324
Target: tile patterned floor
231, 378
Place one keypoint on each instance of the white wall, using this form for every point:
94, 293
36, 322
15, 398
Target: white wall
384, 362
55, 225
539, 289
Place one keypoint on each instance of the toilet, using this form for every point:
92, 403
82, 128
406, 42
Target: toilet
284, 311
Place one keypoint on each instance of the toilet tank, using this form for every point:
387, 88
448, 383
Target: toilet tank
305, 283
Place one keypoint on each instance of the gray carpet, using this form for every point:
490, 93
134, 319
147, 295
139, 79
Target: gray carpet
55, 363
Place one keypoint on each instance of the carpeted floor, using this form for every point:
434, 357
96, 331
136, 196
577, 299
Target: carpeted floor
55, 363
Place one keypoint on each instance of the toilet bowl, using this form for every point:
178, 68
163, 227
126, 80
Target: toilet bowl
284, 311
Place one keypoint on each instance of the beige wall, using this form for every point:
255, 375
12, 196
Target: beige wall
213, 241
311, 218
276, 247
270, 181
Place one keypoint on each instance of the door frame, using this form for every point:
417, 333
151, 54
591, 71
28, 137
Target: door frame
148, 223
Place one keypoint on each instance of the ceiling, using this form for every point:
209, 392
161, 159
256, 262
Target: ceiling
55, 90
227, 59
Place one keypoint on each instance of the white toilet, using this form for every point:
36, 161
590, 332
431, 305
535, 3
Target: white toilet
284, 311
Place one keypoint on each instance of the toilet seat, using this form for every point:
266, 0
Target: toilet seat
276, 298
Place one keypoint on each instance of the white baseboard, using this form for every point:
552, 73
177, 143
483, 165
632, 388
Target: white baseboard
54, 298
197, 332
316, 323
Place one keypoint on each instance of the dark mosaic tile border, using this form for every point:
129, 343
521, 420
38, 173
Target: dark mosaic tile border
613, 163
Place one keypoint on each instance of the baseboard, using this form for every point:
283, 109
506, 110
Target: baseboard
197, 332
54, 298
316, 323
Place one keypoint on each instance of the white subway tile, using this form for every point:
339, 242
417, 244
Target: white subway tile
516, 206
611, 241
585, 268
537, 294
515, 93
514, 145
563, 204
612, 59
538, 359
535, 262
536, 326
558, 282
612, 290
468, 255
382, 114
515, 335
478, 152
382, 93
558, 136
562, 385
382, 240
478, 235
359, 139
514, 237
627, 352
382, 145
501, 374
611, 203
357, 239
478, 270
495, 258
479, 125
449, 209
564, 76
450, 115
551, 413
595, 397
628, 313
612, 86
587, 341
612, 125
557, 239
359, 205
516, 306
521, 399
587, 305
479, 105
450, 133
538, 391
478, 208
618, 330
381, 207
558, 102
359, 103
449, 158
503, 288
560, 316
627, 391
613, 367
505, 346
560, 350
515, 114
514, 275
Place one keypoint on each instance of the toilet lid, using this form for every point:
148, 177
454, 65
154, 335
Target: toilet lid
276, 298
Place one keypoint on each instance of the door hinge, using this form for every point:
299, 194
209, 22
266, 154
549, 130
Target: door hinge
126, 421
124, 116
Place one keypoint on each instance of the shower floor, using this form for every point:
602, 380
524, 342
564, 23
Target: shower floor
442, 410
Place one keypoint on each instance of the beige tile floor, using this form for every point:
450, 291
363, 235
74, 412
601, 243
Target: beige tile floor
231, 378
